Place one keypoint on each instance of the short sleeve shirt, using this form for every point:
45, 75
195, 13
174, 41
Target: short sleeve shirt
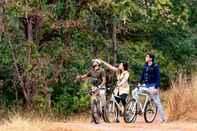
96, 76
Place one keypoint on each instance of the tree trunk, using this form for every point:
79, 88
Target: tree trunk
67, 39
29, 30
95, 51
2, 2
30, 41
20, 77
48, 94
108, 43
114, 43
107, 52
146, 5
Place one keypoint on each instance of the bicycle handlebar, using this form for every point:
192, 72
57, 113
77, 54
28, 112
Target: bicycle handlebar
90, 91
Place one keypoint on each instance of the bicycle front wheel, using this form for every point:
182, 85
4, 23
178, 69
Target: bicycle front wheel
130, 112
110, 111
95, 112
150, 111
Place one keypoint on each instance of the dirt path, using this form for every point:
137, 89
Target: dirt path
81, 123
138, 126
175, 126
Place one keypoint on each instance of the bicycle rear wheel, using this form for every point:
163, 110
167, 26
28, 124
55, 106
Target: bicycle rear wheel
150, 111
95, 112
130, 112
104, 114
110, 112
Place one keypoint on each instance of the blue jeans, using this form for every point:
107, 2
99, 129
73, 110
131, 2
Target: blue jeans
155, 97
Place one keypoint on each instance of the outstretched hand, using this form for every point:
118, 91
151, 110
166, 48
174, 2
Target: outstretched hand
77, 79
97, 59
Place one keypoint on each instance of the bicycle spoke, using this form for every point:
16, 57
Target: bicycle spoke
130, 111
111, 111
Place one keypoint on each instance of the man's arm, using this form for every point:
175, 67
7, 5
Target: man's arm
157, 73
109, 66
85, 76
103, 79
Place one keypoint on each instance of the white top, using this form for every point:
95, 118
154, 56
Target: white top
123, 81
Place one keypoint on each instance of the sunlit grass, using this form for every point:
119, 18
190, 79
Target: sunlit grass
182, 99
18, 123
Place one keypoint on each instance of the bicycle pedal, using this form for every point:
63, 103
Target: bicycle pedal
139, 113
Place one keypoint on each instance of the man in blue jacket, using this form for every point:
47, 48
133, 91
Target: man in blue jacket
151, 78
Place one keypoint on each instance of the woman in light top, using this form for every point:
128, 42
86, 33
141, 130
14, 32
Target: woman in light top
122, 86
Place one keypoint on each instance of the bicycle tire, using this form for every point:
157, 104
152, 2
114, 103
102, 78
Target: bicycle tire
130, 112
110, 111
150, 108
104, 114
95, 112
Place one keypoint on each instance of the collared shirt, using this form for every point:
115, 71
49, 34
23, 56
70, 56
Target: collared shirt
151, 74
96, 76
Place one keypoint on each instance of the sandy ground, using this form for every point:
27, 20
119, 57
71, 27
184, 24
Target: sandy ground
140, 125
82, 123
175, 126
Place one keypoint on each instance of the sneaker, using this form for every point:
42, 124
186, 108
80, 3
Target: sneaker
139, 112
91, 121
117, 121
163, 121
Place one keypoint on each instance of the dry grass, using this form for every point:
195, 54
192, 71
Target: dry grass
79, 117
182, 99
18, 123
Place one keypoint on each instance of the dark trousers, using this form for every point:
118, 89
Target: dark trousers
122, 98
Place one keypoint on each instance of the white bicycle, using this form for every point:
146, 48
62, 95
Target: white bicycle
147, 108
113, 107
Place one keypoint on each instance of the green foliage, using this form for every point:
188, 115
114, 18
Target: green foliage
41, 105
8, 96
166, 28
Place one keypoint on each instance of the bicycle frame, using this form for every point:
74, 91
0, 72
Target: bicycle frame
99, 98
113, 99
147, 98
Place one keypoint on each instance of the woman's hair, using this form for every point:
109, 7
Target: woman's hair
125, 65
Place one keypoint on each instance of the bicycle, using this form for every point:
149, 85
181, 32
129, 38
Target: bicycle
98, 104
113, 107
148, 109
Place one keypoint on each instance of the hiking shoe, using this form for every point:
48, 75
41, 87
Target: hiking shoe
117, 121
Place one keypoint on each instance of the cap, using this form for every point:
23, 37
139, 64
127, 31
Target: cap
97, 61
